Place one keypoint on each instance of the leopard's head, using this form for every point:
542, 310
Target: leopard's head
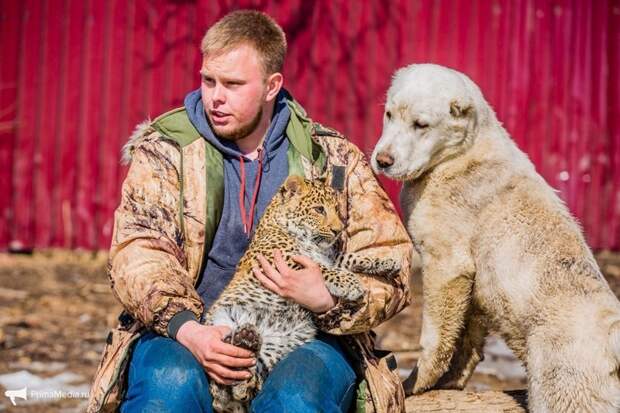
309, 209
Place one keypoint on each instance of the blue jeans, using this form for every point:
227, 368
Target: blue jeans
165, 377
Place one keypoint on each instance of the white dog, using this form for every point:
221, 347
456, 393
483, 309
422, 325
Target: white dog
499, 250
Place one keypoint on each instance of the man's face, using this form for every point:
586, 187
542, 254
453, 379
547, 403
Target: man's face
233, 91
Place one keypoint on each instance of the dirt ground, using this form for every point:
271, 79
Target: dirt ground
56, 309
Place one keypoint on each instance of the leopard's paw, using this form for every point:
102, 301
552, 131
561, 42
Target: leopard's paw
247, 337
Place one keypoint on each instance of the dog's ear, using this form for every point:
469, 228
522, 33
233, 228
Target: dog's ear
459, 110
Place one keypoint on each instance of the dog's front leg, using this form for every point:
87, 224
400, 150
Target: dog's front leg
469, 352
447, 291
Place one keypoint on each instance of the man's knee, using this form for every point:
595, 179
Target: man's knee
180, 378
164, 374
315, 377
165, 363
295, 399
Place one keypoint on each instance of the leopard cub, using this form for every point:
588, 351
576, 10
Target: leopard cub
302, 219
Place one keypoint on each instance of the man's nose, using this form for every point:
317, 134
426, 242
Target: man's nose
384, 160
219, 94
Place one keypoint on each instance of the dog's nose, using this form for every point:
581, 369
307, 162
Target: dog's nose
384, 160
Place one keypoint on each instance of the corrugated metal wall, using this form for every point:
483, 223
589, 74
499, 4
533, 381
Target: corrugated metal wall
76, 75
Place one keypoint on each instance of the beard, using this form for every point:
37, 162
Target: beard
240, 132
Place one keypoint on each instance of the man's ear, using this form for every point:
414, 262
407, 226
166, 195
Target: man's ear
292, 186
274, 84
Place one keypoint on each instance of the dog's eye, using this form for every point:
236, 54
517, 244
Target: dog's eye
388, 115
419, 125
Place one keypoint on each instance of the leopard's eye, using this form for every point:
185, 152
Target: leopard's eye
419, 125
319, 209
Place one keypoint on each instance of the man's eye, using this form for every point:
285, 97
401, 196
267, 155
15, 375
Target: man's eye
419, 125
388, 115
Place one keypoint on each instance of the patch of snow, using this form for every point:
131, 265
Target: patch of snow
38, 366
499, 361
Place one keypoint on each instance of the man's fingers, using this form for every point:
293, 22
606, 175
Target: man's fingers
266, 281
304, 261
226, 373
232, 351
219, 379
229, 361
269, 270
280, 263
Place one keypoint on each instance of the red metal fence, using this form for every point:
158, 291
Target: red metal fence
76, 75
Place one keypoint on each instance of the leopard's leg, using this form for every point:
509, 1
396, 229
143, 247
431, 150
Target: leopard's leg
248, 389
222, 399
342, 283
275, 335
247, 337
384, 267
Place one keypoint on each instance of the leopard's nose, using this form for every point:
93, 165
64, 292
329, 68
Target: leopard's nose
337, 227
384, 160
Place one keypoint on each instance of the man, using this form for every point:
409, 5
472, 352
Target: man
200, 178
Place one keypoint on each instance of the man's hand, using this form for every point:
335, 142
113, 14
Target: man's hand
222, 361
306, 286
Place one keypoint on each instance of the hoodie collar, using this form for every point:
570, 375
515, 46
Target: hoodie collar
275, 134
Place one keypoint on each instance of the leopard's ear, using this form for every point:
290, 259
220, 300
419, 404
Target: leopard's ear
292, 186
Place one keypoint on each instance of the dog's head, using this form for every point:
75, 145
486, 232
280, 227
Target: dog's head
431, 114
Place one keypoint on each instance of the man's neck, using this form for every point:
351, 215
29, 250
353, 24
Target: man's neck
249, 145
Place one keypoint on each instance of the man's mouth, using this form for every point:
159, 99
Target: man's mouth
219, 117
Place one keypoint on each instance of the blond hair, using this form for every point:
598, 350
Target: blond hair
248, 27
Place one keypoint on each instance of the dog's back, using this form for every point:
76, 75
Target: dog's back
542, 290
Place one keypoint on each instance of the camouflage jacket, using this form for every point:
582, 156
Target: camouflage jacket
169, 210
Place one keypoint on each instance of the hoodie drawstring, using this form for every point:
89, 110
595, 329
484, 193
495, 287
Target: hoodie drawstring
246, 219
